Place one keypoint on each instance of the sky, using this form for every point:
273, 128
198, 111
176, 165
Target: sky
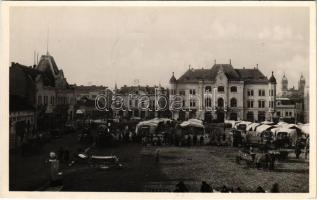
144, 45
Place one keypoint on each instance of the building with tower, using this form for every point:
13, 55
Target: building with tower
223, 92
295, 98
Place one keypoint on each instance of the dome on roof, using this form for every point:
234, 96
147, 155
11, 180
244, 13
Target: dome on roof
272, 79
173, 79
284, 78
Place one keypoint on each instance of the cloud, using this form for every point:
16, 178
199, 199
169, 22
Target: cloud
279, 33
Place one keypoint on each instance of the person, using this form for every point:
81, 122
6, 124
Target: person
201, 140
259, 189
188, 140
54, 173
224, 189
275, 188
181, 187
205, 187
307, 148
238, 189
297, 149
194, 139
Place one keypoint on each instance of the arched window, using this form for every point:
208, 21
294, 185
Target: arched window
208, 89
220, 102
221, 89
233, 89
233, 102
208, 102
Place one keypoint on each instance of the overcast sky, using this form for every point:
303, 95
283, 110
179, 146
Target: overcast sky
108, 45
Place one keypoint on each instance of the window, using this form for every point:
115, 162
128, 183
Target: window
233, 89
182, 92
220, 102
39, 100
250, 103
192, 103
250, 116
45, 100
192, 91
278, 113
271, 104
136, 103
130, 102
261, 116
221, 89
261, 103
286, 114
290, 114
250, 93
233, 102
208, 102
271, 92
261, 93
172, 92
208, 89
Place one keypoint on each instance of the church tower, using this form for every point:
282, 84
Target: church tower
301, 84
284, 85
272, 96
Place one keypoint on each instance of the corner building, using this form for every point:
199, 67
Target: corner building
222, 92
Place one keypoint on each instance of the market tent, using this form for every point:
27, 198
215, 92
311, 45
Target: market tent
305, 129
263, 127
80, 111
267, 123
243, 122
193, 123
282, 124
153, 123
251, 127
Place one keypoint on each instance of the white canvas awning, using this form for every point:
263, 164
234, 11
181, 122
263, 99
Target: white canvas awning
305, 128
193, 123
251, 127
80, 111
263, 127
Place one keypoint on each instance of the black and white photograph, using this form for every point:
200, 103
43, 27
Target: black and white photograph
161, 98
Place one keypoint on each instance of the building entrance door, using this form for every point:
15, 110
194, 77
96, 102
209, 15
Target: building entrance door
220, 116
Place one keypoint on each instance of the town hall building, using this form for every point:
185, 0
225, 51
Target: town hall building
223, 92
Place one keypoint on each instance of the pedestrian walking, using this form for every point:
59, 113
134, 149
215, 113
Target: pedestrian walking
205, 187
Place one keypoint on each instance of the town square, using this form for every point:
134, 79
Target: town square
160, 99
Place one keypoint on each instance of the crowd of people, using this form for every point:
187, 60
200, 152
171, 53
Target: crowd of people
205, 187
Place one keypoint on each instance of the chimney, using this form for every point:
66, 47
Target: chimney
230, 61
189, 66
257, 66
215, 61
